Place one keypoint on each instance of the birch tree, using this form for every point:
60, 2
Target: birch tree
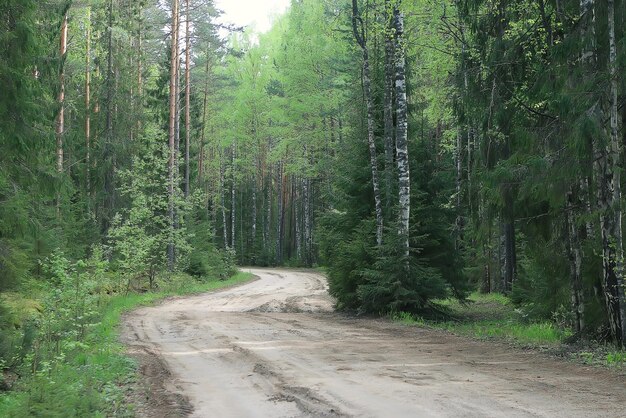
358, 30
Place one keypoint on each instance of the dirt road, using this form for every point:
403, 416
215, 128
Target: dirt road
273, 348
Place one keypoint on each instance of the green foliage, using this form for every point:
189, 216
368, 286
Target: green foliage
141, 233
381, 280
205, 259
77, 367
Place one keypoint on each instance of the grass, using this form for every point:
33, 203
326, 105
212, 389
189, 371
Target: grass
93, 377
494, 317
490, 316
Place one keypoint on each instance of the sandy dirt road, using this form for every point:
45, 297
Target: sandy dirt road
274, 348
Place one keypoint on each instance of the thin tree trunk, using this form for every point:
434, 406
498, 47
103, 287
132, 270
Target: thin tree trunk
388, 104
268, 207
88, 103
402, 154
172, 131
233, 206
614, 182
359, 34
187, 97
280, 214
177, 118
140, 71
60, 126
458, 154
510, 253
204, 118
298, 217
223, 200
108, 144
575, 262
308, 236
254, 207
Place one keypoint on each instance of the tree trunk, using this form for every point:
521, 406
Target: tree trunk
458, 156
172, 131
359, 34
308, 236
204, 117
280, 214
298, 217
510, 253
88, 104
187, 97
388, 105
108, 144
233, 206
223, 200
402, 154
177, 117
140, 70
613, 222
254, 206
575, 262
60, 126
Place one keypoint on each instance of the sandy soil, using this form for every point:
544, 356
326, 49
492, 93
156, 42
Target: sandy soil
274, 348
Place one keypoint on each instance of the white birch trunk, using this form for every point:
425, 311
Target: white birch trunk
402, 154
388, 104
60, 126
359, 34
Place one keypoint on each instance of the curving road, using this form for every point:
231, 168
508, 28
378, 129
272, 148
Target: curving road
274, 348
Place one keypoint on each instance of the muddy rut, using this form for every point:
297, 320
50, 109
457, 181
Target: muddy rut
274, 348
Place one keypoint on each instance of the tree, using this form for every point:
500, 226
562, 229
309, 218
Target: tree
358, 29
172, 128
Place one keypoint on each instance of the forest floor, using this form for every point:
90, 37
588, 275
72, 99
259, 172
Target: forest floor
274, 347
493, 317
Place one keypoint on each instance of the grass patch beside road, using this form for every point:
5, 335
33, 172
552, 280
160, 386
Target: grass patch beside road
494, 317
91, 378
491, 316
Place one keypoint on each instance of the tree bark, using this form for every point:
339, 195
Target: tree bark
614, 192
60, 125
510, 253
172, 131
298, 216
223, 200
388, 104
575, 262
140, 70
280, 214
308, 236
204, 117
88, 104
359, 34
233, 206
402, 154
108, 144
187, 96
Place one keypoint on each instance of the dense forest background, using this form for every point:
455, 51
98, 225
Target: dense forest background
419, 150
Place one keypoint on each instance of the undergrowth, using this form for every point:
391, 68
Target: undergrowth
494, 317
75, 365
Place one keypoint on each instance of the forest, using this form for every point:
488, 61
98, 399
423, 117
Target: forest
416, 151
